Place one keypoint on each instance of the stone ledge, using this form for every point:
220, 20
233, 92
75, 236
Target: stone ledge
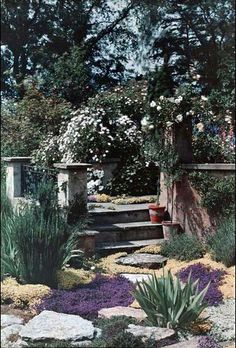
72, 166
16, 159
209, 166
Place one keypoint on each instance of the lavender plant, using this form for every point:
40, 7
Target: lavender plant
205, 275
87, 300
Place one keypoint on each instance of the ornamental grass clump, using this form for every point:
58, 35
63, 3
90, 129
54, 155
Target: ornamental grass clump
168, 303
43, 245
205, 274
9, 259
221, 244
87, 300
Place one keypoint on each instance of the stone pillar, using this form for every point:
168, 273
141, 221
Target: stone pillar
72, 185
182, 140
14, 176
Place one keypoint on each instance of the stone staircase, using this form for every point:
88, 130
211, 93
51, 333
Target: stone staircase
123, 228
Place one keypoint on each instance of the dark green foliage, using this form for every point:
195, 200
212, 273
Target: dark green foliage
217, 194
182, 247
221, 244
34, 115
114, 335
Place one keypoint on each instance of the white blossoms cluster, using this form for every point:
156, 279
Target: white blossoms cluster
95, 184
92, 135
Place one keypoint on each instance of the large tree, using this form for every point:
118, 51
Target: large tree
36, 33
194, 37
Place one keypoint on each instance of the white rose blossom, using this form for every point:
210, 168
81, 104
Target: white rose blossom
179, 118
153, 104
159, 108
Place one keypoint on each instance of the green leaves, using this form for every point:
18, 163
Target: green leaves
168, 303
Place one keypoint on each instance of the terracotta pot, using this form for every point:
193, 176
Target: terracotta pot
170, 228
156, 213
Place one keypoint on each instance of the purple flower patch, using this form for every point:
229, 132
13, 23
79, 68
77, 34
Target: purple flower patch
207, 342
87, 300
205, 275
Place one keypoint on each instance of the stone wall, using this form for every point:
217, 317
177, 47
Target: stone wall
186, 208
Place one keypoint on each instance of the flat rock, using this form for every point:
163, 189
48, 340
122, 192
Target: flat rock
138, 314
143, 260
9, 319
134, 278
191, 343
50, 325
149, 332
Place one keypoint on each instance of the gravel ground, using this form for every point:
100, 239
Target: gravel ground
223, 319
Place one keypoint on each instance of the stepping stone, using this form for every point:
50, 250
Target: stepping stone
149, 332
191, 343
50, 325
9, 319
134, 278
143, 260
138, 314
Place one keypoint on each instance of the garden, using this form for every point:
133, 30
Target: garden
118, 174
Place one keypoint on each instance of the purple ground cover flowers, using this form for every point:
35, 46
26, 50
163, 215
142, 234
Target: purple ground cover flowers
205, 274
87, 300
207, 342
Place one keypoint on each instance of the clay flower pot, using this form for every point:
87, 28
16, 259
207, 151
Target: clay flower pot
156, 213
170, 228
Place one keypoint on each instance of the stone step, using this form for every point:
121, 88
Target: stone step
134, 213
127, 246
128, 231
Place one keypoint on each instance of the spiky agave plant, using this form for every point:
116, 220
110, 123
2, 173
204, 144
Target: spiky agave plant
44, 243
168, 303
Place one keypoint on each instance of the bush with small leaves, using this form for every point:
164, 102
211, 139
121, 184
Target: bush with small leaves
183, 247
221, 244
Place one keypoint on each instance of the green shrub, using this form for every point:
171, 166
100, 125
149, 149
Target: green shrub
221, 245
167, 303
182, 247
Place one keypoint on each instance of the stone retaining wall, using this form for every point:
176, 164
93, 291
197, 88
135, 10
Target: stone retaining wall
187, 210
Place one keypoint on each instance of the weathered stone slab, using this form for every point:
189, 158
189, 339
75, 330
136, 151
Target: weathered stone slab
9, 319
191, 343
134, 278
138, 314
149, 332
50, 325
143, 260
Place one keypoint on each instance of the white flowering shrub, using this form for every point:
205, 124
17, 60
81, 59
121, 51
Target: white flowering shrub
107, 126
213, 131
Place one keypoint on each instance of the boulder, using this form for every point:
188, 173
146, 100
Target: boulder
150, 332
143, 260
138, 314
9, 319
52, 326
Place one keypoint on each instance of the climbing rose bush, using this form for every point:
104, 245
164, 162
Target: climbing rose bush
87, 300
205, 274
